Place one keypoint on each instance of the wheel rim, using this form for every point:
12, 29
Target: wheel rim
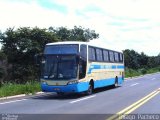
90, 90
116, 84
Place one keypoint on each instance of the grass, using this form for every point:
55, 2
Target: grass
143, 71
10, 89
153, 70
131, 73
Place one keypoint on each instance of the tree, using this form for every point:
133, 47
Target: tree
143, 60
75, 34
62, 33
151, 62
81, 34
3, 66
20, 46
132, 59
135, 60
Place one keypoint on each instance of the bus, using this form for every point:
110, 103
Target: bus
75, 67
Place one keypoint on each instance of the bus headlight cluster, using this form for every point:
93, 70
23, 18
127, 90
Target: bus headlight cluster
72, 82
44, 82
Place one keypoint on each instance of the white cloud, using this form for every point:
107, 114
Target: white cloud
122, 24
19, 14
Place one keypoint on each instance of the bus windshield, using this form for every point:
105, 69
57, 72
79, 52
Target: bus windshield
61, 49
59, 67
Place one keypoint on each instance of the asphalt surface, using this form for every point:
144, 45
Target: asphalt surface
103, 103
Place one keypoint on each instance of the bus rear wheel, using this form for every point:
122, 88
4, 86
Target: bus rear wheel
116, 82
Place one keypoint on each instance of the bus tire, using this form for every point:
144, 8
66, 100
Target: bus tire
116, 82
90, 88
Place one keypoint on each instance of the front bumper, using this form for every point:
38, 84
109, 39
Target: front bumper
72, 88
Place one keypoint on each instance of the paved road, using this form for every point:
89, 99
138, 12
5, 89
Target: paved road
103, 103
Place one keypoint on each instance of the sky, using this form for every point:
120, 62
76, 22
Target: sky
121, 24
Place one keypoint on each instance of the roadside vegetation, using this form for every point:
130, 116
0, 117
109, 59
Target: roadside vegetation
132, 73
9, 89
139, 64
19, 46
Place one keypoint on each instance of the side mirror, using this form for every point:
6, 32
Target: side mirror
77, 59
37, 59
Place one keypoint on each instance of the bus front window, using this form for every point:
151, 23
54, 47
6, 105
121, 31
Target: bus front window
82, 69
60, 67
67, 68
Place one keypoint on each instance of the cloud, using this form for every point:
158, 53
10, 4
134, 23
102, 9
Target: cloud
122, 24
19, 14
49, 4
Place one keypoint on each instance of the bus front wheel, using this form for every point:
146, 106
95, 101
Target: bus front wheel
90, 89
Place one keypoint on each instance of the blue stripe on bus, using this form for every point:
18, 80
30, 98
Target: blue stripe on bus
113, 66
106, 82
104, 67
120, 67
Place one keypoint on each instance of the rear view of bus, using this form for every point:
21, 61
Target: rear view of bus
73, 67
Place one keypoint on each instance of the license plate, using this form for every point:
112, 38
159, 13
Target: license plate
57, 89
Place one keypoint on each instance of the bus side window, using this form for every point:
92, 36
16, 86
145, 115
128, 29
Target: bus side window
105, 55
83, 51
99, 54
121, 57
91, 52
116, 56
111, 56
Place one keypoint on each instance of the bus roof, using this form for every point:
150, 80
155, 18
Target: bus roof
78, 42
67, 42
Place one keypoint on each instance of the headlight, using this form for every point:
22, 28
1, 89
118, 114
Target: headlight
72, 82
44, 82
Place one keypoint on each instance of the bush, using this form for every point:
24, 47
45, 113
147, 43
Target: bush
131, 72
143, 71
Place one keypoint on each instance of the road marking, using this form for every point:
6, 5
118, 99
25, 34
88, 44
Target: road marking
153, 78
134, 78
134, 84
134, 106
140, 77
140, 104
82, 99
12, 101
15, 96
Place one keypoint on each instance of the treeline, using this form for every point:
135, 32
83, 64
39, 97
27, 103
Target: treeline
19, 47
135, 60
138, 64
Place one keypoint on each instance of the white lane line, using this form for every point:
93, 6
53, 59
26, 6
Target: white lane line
134, 84
134, 78
82, 99
12, 101
15, 96
153, 78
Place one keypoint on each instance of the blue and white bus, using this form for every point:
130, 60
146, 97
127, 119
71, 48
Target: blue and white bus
73, 67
